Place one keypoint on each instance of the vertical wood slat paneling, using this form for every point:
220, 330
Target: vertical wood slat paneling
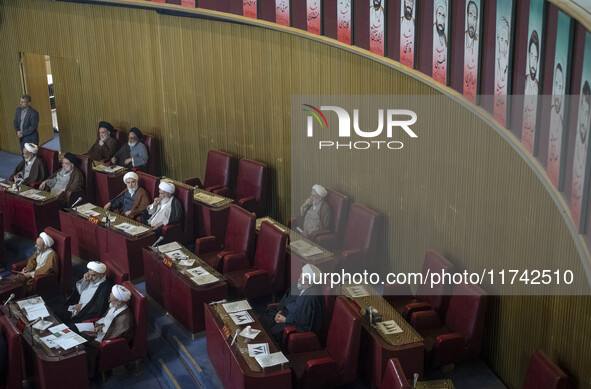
200, 84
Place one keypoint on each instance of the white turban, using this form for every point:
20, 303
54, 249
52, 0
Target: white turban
167, 187
312, 271
97, 266
46, 239
320, 190
31, 147
121, 293
130, 175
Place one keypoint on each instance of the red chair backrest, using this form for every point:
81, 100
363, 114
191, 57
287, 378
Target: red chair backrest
149, 183
152, 146
2, 238
139, 341
86, 169
466, 314
343, 339
394, 377
63, 248
252, 181
360, 231
217, 169
15, 362
438, 296
339, 203
240, 231
270, 253
50, 157
185, 195
542, 373
120, 136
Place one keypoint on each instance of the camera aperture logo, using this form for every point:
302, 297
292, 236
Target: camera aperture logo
395, 120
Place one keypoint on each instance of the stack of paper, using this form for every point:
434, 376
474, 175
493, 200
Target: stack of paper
305, 249
169, 247
30, 301
357, 291
389, 327
36, 311
33, 194
176, 255
207, 198
63, 337
271, 359
258, 349
131, 229
200, 276
241, 317
236, 306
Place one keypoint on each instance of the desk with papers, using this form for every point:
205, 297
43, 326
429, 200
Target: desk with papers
27, 212
118, 245
210, 214
248, 359
108, 181
51, 348
181, 283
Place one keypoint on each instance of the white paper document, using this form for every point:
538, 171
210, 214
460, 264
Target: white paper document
164, 248
111, 219
241, 317
258, 349
271, 359
236, 306
250, 335
176, 255
207, 198
36, 311
186, 262
58, 328
30, 301
85, 207
197, 271
304, 248
388, 327
85, 326
131, 229
357, 291
42, 324
49, 340
204, 279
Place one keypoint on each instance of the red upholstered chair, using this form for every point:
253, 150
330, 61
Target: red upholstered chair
218, 173
394, 377
1, 239
337, 363
15, 367
149, 183
333, 239
542, 373
117, 351
240, 232
427, 297
182, 232
268, 273
251, 186
50, 157
51, 285
461, 335
152, 145
119, 135
88, 193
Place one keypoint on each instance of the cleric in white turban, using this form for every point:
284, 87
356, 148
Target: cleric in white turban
117, 323
31, 169
166, 209
90, 298
315, 213
132, 201
45, 261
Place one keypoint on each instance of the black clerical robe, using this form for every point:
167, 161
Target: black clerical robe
97, 305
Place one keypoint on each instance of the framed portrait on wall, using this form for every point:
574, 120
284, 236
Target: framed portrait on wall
440, 69
559, 107
503, 58
282, 12
314, 16
377, 22
408, 12
472, 43
533, 72
581, 162
249, 8
345, 21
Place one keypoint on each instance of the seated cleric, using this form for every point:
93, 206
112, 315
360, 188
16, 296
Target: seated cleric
304, 310
105, 145
68, 178
90, 297
166, 209
132, 154
30, 169
44, 262
315, 213
131, 202
116, 323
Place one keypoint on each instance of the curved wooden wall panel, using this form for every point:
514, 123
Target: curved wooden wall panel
199, 84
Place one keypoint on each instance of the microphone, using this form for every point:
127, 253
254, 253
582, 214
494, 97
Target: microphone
76, 202
217, 302
416, 378
37, 320
107, 221
157, 241
12, 295
235, 336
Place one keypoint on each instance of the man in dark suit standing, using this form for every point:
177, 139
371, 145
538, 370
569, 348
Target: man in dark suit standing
26, 120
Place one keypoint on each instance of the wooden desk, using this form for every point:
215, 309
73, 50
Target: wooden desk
109, 245
232, 364
27, 217
175, 291
376, 348
44, 366
210, 214
325, 261
107, 184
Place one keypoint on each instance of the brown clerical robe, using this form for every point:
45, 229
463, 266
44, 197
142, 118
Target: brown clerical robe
106, 151
140, 203
38, 171
76, 183
51, 266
